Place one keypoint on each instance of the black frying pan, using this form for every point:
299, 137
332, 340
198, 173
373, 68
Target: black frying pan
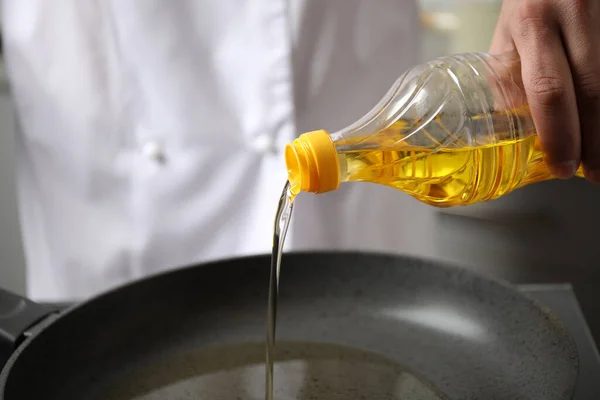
351, 325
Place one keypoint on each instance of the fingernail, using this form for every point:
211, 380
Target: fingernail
564, 170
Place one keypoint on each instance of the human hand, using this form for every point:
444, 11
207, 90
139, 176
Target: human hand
558, 42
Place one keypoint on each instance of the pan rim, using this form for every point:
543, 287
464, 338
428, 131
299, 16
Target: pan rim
570, 347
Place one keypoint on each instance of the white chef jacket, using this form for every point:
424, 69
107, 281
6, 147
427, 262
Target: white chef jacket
151, 132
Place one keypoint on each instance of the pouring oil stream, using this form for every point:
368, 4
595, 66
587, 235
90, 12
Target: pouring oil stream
282, 222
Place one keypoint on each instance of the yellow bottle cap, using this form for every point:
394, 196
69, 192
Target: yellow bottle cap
312, 163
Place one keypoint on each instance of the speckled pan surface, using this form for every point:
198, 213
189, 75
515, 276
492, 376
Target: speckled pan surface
358, 325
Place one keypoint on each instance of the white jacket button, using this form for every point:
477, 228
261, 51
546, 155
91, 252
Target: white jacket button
153, 151
262, 143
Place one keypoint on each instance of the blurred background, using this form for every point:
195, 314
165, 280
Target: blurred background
546, 232
444, 31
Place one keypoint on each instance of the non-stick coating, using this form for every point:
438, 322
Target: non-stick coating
469, 337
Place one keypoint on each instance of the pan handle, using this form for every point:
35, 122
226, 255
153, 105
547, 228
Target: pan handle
17, 315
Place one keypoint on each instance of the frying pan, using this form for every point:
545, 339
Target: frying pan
350, 325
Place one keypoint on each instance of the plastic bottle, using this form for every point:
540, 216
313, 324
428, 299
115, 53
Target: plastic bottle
454, 131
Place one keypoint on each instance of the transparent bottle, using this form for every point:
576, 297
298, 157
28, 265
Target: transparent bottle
454, 131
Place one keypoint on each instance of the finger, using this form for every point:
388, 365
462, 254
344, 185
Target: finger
582, 39
548, 85
502, 39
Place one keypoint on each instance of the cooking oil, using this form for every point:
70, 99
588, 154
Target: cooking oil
441, 176
282, 222
450, 176
309, 371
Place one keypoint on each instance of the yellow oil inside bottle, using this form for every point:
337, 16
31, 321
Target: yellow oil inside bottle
447, 177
